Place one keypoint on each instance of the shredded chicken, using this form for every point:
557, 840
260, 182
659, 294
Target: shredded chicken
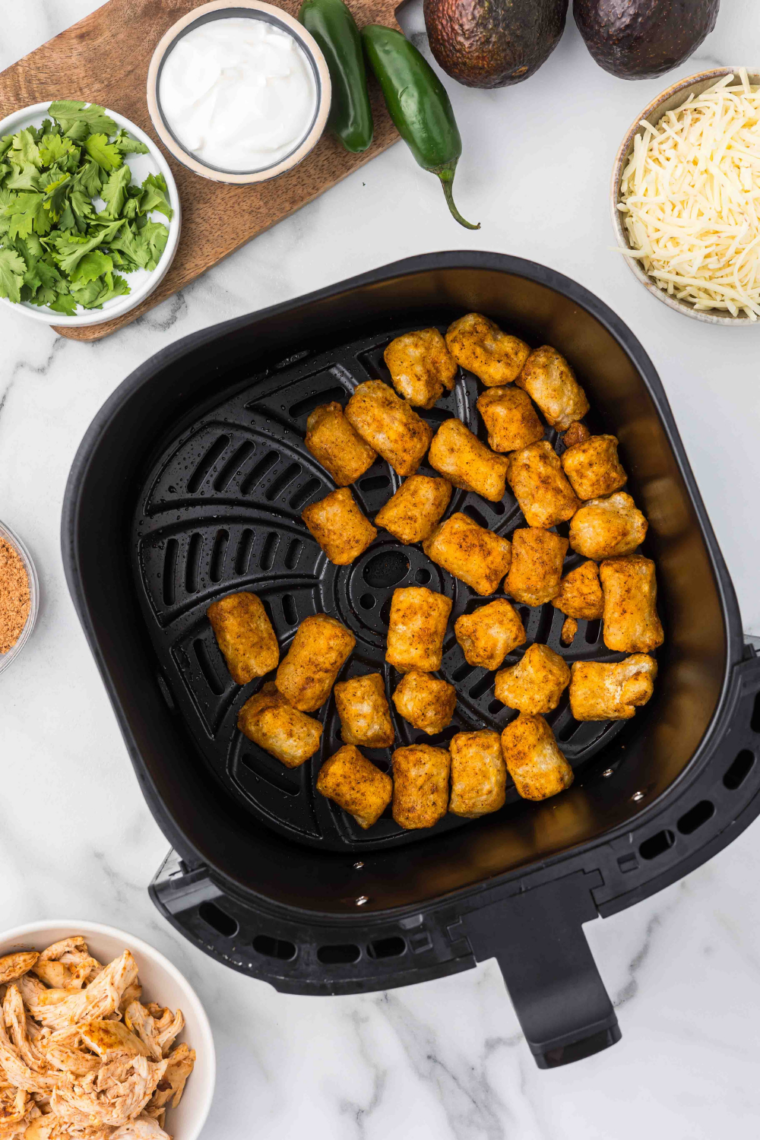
80, 1057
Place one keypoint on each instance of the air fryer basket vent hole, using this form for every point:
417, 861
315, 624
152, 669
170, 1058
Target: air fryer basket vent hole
243, 555
303, 493
476, 516
271, 947
293, 553
206, 666
386, 569
289, 609
257, 473
422, 576
740, 769
212, 456
695, 817
194, 551
278, 485
269, 551
374, 483
307, 406
339, 954
592, 631
170, 570
391, 947
367, 601
657, 844
218, 920
755, 722
230, 469
218, 554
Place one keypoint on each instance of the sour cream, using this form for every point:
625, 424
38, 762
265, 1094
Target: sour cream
239, 93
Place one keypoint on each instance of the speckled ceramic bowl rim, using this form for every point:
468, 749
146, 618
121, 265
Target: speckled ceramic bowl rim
666, 101
304, 39
7, 659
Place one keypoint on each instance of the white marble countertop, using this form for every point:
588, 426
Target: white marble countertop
444, 1060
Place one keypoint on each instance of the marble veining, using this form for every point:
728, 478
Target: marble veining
444, 1060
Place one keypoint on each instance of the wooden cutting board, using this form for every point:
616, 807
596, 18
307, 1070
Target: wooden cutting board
104, 59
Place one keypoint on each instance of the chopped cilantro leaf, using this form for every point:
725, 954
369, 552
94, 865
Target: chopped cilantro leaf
67, 112
56, 248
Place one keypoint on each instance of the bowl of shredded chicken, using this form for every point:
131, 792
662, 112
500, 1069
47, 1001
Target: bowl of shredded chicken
686, 196
98, 1038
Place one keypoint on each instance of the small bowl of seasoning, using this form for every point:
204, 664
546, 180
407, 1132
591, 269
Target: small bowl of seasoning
239, 93
685, 194
19, 596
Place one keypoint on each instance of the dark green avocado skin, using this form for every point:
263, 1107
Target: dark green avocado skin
640, 39
493, 43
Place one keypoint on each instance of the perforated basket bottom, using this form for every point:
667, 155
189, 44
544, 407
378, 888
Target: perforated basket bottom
220, 511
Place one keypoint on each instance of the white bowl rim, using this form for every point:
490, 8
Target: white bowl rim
681, 86
139, 946
123, 304
186, 157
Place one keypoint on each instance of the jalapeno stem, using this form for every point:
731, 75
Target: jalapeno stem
446, 175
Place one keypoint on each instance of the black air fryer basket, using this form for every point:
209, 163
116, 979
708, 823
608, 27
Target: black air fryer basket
190, 483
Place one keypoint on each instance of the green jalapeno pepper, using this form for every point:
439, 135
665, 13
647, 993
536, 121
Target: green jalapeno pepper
334, 29
418, 104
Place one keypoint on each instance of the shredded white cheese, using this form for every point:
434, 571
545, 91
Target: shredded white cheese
690, 199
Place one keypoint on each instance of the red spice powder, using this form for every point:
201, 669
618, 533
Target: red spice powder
14, 596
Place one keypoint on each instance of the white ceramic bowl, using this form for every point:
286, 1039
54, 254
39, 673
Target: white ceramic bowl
34, 595
669, 100
254, 9
162, 983
143, 281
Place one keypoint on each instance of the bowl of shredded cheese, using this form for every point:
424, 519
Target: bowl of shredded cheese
686, 196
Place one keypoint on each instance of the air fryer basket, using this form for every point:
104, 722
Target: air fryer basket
190, 483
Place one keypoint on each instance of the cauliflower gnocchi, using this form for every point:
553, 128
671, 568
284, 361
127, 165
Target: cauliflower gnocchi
421, 367
483, 349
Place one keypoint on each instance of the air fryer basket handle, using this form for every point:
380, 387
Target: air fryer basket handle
559, 997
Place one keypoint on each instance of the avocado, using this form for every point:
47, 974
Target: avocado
640, 39
493, 43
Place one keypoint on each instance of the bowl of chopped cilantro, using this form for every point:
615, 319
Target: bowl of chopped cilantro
89, 213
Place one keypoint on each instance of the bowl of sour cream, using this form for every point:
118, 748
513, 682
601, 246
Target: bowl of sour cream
239, 92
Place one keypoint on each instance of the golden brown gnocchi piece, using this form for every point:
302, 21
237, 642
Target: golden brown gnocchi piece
413, 512
631, 622
593, 467
536, 569
421, 366
540, 486
425, 702
550, 381
420, 785
244, 635
534, 759
339, 526
601, 690
478, 774
320, 648
510, 418
606, 528
334, 443
466, 462
355, 784
416, 629
285, 733
389, 425
482, 348
536, 683
489, 633
476, 556
365, 716
580, 593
